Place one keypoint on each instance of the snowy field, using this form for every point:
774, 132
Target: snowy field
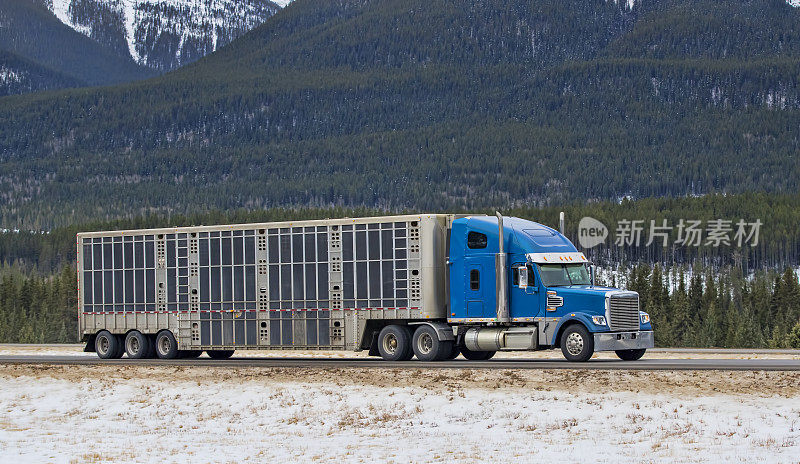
127, 414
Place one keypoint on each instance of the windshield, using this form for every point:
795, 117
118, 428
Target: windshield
555, 275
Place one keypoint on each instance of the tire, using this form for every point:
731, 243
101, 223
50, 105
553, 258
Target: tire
428, 347
476, 355
107, 345
630, 355
394, 343
577, 344
166, 346
138, 345
454, 352
191, 354
220, 354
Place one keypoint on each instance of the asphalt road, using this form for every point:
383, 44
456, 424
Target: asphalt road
606, 364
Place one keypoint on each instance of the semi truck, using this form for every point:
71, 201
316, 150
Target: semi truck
430, 286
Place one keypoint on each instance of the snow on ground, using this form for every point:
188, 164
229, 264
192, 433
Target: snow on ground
149, 414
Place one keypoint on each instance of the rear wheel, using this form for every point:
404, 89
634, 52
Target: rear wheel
166, 346
394, 343
220, 354
138, 345
191, 354
107, 345
630, 355
454, 352
577, 344
476, 355
428, 347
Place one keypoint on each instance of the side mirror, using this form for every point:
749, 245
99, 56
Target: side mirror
523, 277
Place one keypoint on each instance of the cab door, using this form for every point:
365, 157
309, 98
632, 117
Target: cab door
524, 294
474, 287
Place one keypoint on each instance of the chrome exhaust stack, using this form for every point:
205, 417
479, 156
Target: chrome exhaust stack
501, 276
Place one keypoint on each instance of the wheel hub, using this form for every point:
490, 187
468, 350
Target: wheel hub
134, 345
164, 346
425, 343
390, 343
574, 344
104, 345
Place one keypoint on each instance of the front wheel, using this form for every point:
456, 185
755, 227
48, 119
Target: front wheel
577, 344
630, 355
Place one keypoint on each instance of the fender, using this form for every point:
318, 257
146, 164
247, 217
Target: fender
583, 318
443, 331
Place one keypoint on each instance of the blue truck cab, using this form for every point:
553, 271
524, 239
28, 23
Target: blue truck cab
515, 284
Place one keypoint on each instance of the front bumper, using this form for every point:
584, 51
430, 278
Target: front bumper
612, 341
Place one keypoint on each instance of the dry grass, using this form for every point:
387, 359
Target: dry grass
452, 381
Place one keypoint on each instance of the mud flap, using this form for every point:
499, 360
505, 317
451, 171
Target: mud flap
373, 346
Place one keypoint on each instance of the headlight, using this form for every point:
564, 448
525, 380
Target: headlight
644, 317
599, 320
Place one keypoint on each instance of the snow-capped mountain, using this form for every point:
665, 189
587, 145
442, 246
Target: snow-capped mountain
163, 34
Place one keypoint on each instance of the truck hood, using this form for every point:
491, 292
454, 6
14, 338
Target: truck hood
581, 289
583, 298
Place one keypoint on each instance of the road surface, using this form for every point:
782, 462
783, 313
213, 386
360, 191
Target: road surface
323, 363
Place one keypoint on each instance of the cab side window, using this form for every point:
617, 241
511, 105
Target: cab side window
476, 240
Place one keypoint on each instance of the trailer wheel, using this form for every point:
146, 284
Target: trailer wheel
107, 345
166, 346
191, 354
394, 343
138, 345
220, 354
428, 347
630, 355
476, 355
577, 344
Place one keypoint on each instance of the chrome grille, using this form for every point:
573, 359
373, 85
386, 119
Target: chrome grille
623, 312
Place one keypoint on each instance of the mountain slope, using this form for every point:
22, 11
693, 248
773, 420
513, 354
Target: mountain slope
428, 104
163, 34
45, 54
18, 75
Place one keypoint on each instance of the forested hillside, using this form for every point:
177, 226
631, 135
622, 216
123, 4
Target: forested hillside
705, 296
427, 105
37, 52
